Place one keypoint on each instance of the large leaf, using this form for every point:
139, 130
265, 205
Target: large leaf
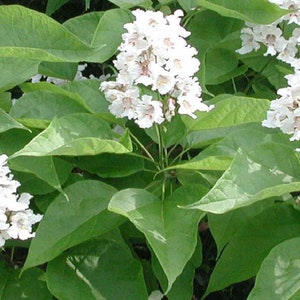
68, 223
230, 111
52, 170
131, 3
97, 29
100, 269
28, 34
111, 165
164, 225
29, 286
253, 175
278, 277
77, 134
7, 122
233, 221
182, 288
255, 11
38, 108
16, 70
242, 257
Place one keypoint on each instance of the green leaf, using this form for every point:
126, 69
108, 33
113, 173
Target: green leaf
59, 70
69, 223
132, 3
15, 71
72, 135
233, 220
242, 257
100, 269
182, 288
111, 24
253, 175
187, 4
30, 285
278, 276
52, 170
255, 11
96, 29
39, 108
171, 132
164, 225
54, 5
28, 34
111, 165
7, 122
84, 26
230, 111
5, 101
217, 162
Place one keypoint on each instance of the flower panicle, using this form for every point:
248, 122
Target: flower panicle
154, 54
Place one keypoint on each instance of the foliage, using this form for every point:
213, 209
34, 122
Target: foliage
126, 209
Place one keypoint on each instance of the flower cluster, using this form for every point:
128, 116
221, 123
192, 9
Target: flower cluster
284, 112
156, 71
253, 36
16, 219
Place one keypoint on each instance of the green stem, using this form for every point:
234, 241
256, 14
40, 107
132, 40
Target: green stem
143, 148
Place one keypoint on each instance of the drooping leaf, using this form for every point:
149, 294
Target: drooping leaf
7, 122
100, 269
28, 34
278, 276
68, 223
242, 257
52, 170
164, 225
254, 175
76, 134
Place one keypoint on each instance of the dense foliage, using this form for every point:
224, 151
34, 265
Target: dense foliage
156, 157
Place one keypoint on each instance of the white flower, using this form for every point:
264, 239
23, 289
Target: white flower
249, 41
155, 54
148, 112
16, 219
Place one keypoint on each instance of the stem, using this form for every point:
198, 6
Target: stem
143, 148
160, 146
12, 254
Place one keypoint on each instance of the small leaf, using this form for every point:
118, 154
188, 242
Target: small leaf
278, 277
69, 223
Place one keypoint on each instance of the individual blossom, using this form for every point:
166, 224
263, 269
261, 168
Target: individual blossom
284, 112
16, 218
155, 64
